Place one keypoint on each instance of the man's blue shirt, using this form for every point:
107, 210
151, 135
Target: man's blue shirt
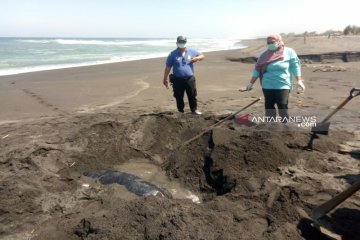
181, 65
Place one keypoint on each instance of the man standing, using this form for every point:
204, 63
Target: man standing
181, 61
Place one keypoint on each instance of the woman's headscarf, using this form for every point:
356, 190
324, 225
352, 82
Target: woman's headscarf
270, 56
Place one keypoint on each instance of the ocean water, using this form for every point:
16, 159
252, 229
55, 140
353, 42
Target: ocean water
21, 55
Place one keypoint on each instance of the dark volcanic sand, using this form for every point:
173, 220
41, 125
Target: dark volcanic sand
263, 184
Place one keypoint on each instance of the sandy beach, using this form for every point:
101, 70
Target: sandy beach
57, 125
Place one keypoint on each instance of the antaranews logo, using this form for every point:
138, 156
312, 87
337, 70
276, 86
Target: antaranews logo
243, 120
299, 121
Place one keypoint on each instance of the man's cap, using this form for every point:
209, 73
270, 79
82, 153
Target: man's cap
181, 39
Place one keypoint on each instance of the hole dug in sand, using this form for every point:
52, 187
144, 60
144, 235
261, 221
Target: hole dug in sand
252, 184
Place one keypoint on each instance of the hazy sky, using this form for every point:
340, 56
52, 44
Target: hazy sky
167, 18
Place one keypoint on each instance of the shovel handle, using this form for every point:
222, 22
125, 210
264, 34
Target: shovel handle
336, 109
326, 207
218, 123
354, 92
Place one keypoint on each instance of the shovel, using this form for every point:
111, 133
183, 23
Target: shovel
324, 125
319, 212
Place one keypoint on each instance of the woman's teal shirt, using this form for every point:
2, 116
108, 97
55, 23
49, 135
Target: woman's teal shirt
279, 74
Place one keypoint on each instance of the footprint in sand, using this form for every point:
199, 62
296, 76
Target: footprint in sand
210, 101
225, 98
44, 103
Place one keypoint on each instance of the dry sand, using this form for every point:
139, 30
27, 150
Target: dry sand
252, 183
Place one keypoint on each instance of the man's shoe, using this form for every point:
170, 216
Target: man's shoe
196, 112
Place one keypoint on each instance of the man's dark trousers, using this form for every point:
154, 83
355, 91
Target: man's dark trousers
182, 85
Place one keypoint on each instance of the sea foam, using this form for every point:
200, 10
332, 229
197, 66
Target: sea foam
22, 55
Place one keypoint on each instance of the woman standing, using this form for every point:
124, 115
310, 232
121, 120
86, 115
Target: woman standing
276, 67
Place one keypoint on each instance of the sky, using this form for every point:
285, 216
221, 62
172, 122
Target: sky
168, 18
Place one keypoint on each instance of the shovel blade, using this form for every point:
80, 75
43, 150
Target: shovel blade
321, 128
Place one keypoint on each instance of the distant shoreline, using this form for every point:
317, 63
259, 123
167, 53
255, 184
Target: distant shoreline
64, 53
79, 65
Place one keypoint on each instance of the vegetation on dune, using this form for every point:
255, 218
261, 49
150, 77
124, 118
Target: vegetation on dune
348, 30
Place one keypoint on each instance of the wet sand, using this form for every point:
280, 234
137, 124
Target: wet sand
56, 125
